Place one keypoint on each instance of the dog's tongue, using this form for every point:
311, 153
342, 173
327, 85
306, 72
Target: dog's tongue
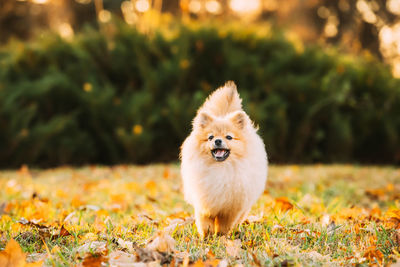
219, 153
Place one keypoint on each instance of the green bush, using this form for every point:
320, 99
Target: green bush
121, 96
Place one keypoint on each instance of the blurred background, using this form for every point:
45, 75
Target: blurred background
111, 81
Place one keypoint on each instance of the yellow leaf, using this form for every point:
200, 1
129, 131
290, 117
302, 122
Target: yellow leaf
90, 237
55, 249
152, 187
12, 256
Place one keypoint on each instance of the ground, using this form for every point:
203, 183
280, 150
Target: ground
127, 215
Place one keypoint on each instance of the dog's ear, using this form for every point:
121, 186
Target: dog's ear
239, 119
203, 119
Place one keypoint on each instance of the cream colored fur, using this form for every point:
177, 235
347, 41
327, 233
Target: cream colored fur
222, 193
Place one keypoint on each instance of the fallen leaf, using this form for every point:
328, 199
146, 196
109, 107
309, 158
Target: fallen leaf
55, 249
376, 194
166, 173
373, 254
120, 258
92, 246
12, 256
149, 255
178, 222
128, 245
207, 263
162, 242
99, 225
256, 260
89, 237
94, 260
152, 187
283, 204
233, 248
254, 218
63, 232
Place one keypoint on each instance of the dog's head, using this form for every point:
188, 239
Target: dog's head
221, 138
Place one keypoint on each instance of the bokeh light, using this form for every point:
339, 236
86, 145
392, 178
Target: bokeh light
84, 2
213, 7
128, 11
366, 10
393, 6
142, 5
104, 16
195, 6
39, 1
245, 6
65, 30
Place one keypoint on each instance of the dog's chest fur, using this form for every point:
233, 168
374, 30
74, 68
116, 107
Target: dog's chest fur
222, 187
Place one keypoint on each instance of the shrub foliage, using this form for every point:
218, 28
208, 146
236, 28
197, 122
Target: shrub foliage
122, 96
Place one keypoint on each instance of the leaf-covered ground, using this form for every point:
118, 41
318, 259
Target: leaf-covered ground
132, 216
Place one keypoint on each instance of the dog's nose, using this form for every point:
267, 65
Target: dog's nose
218, 142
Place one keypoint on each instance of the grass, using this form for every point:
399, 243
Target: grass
309, 215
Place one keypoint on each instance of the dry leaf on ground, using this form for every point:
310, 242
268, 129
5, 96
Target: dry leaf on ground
120, 258
162, 242
93, 246
12, 256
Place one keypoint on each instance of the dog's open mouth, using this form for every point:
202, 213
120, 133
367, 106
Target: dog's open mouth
220, 154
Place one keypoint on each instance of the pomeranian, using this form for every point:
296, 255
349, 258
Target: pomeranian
224, 163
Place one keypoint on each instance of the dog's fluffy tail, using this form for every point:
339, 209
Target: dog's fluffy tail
223, 101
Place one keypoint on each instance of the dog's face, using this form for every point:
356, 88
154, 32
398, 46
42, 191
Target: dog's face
221, 139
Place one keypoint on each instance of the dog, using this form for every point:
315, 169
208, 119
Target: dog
224, 164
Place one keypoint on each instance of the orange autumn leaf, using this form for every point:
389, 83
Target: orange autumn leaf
208, 263
393, 218
393, 214
152, 187
12, 256
119, 202
63, 232
283, 203
166, 173
77, 202
94, 260
373, 254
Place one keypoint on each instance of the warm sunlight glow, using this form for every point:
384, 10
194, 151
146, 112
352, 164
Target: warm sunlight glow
40, 1
84, 2
364, 8
323, 12
195, 6
270, 5
142, 5
65, 30
330, 30
128, 11
396, 69
393, 6
213, 7
390, 46
104, 16
245, 6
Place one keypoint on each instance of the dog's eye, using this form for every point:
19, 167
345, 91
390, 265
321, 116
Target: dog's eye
229, 137
210, 137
